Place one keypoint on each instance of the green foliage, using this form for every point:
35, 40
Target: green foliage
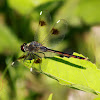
97, 98
88, 11
22, 6
50, 97
8, 40
16, 27
75, 73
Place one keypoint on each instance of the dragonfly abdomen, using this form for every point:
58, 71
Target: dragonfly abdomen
66, 54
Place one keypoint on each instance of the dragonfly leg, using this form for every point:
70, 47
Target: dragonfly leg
26, 57
37, 60
21, 57
36, 55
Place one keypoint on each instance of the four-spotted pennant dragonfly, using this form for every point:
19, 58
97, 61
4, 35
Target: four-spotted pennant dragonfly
55, 35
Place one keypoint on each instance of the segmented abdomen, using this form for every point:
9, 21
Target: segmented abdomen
66, 54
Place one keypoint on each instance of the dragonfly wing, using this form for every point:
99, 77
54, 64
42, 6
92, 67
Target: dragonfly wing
47, 36
56, 34
50, 37
43, 26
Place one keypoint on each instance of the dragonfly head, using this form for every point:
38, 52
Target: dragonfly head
22, 47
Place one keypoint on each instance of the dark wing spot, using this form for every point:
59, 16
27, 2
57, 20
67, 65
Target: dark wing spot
38, 61
54, 31
42, 23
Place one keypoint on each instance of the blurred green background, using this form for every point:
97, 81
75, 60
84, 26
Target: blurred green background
17, 26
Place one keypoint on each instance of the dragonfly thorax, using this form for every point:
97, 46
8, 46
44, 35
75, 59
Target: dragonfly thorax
33, 47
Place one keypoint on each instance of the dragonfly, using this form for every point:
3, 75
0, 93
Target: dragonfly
55, 34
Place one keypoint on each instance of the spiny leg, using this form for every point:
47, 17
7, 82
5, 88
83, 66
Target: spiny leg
21, 57
26, 57
37, 60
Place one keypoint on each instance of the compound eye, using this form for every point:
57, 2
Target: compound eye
22, 47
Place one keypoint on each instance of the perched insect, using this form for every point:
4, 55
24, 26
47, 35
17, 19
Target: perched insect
55, 34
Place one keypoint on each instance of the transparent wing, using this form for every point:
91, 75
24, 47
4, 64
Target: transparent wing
50, 37
56, 34
43, 26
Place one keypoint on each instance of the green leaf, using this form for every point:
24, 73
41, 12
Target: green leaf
25, 6
8, 41
97, 98
75, 73
88, 10
50, 97
22, 6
